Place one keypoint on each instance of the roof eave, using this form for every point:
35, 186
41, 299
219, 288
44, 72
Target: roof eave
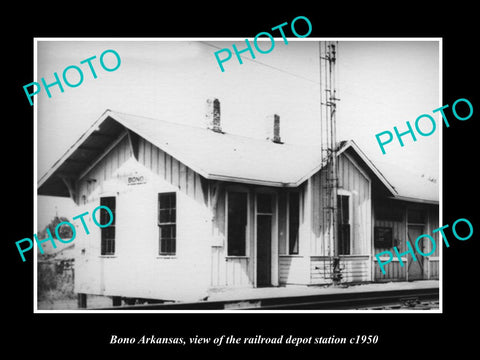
415, 200
249, 181
72, 149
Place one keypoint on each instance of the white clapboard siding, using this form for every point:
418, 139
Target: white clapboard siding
292, 269
353, 269
320, 270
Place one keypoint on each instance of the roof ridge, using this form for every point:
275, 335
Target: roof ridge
207, 130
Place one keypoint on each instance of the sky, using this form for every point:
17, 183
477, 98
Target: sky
381, 84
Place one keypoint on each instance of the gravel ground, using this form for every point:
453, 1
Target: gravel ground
93, 301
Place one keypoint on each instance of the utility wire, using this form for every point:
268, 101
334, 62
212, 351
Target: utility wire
373, 100
269, 66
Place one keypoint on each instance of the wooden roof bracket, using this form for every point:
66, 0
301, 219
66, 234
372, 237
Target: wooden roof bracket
70, 184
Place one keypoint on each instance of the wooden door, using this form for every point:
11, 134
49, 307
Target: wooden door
264, 244
415, 268
264, 239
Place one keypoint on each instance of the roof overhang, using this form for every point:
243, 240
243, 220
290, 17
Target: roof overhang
415, 200
111, 127
251, 181
82, 155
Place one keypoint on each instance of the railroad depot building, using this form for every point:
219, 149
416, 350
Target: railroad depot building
197, 210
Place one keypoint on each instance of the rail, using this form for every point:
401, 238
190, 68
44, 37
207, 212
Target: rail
337, 301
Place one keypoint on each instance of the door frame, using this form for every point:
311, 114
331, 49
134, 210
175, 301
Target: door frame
419, 258
274, 275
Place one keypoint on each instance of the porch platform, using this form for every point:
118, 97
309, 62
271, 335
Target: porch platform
248, 294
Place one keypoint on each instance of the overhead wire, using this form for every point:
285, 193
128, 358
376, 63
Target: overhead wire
267, 65
372, 100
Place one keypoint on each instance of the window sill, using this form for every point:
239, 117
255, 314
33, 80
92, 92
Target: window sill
237, 257
386, 258
107, 256
166, 257
352, 255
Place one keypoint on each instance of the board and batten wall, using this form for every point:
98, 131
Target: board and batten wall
294, 268
433, 261
239, 271
231, 271
391, 214
394, 214
356, 267
136, 269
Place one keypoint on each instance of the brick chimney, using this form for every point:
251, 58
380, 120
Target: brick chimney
273, 132
213, 115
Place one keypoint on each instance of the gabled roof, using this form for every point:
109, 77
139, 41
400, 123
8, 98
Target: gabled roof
102, 134
350, 146
216, 156
228, 157
410, 185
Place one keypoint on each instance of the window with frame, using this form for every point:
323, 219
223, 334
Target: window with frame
237, 223
107, 233
167, 223
293, 222
343, 224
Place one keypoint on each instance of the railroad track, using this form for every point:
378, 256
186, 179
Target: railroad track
413, 299
408, 305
